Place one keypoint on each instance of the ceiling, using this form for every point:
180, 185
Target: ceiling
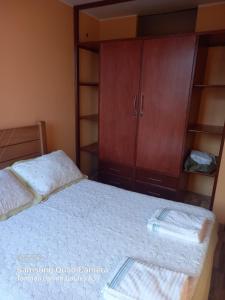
138, 7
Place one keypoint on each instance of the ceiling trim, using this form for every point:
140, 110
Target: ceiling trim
119, 17
211, 4
100, 4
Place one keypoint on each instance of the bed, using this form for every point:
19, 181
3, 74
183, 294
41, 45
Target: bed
67, 246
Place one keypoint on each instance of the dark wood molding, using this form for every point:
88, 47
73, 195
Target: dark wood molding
43, 138
100, 4
76, 85
218, 168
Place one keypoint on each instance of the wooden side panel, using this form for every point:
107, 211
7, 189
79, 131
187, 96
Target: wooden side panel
166, 78
119, 88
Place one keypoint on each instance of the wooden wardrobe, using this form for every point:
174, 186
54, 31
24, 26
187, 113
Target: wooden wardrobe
145, 88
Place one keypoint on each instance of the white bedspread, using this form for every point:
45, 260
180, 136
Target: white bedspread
78, 235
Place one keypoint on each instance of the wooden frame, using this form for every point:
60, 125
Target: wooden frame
205, 39
22, 143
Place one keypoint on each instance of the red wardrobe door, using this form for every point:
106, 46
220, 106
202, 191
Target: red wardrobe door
166, 78
119, 88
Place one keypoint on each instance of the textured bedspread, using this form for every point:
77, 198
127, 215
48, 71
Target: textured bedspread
64, 248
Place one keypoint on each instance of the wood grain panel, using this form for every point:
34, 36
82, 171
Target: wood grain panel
118, 181
18, 135
119, 90
19, 150
166, 80
156, 178
116, 169
22, 143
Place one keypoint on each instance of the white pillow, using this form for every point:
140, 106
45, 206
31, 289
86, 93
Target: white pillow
14, 196
47, 173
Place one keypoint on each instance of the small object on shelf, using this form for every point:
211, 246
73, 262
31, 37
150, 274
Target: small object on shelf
200, 162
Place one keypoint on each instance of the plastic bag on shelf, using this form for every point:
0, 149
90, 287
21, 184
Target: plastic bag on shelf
198, 161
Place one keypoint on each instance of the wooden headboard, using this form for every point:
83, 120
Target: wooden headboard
22, 143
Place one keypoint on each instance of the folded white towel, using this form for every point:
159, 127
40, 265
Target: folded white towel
135, 280
178, 224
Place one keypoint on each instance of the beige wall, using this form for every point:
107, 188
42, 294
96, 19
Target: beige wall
118, 28
211, 17
92, 29
37, 68
89, 28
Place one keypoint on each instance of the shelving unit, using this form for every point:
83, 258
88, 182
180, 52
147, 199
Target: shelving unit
87, 86
205, 82
86, 101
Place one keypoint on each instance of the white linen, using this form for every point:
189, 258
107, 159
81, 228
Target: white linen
178, 224
47, 173
88, 224
14, 196
136, 280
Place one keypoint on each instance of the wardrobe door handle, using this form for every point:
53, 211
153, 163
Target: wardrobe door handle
135, 106
142, 106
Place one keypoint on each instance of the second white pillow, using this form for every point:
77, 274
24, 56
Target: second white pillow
48, 173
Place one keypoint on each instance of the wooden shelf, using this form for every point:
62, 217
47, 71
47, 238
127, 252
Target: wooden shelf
208, 129
92, 148
213, 174
195, 199
94, 84
93, 118
209, 85
90, 46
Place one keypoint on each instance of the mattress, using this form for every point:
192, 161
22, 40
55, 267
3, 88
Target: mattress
66, 247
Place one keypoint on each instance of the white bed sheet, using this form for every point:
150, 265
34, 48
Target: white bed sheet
91, 225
